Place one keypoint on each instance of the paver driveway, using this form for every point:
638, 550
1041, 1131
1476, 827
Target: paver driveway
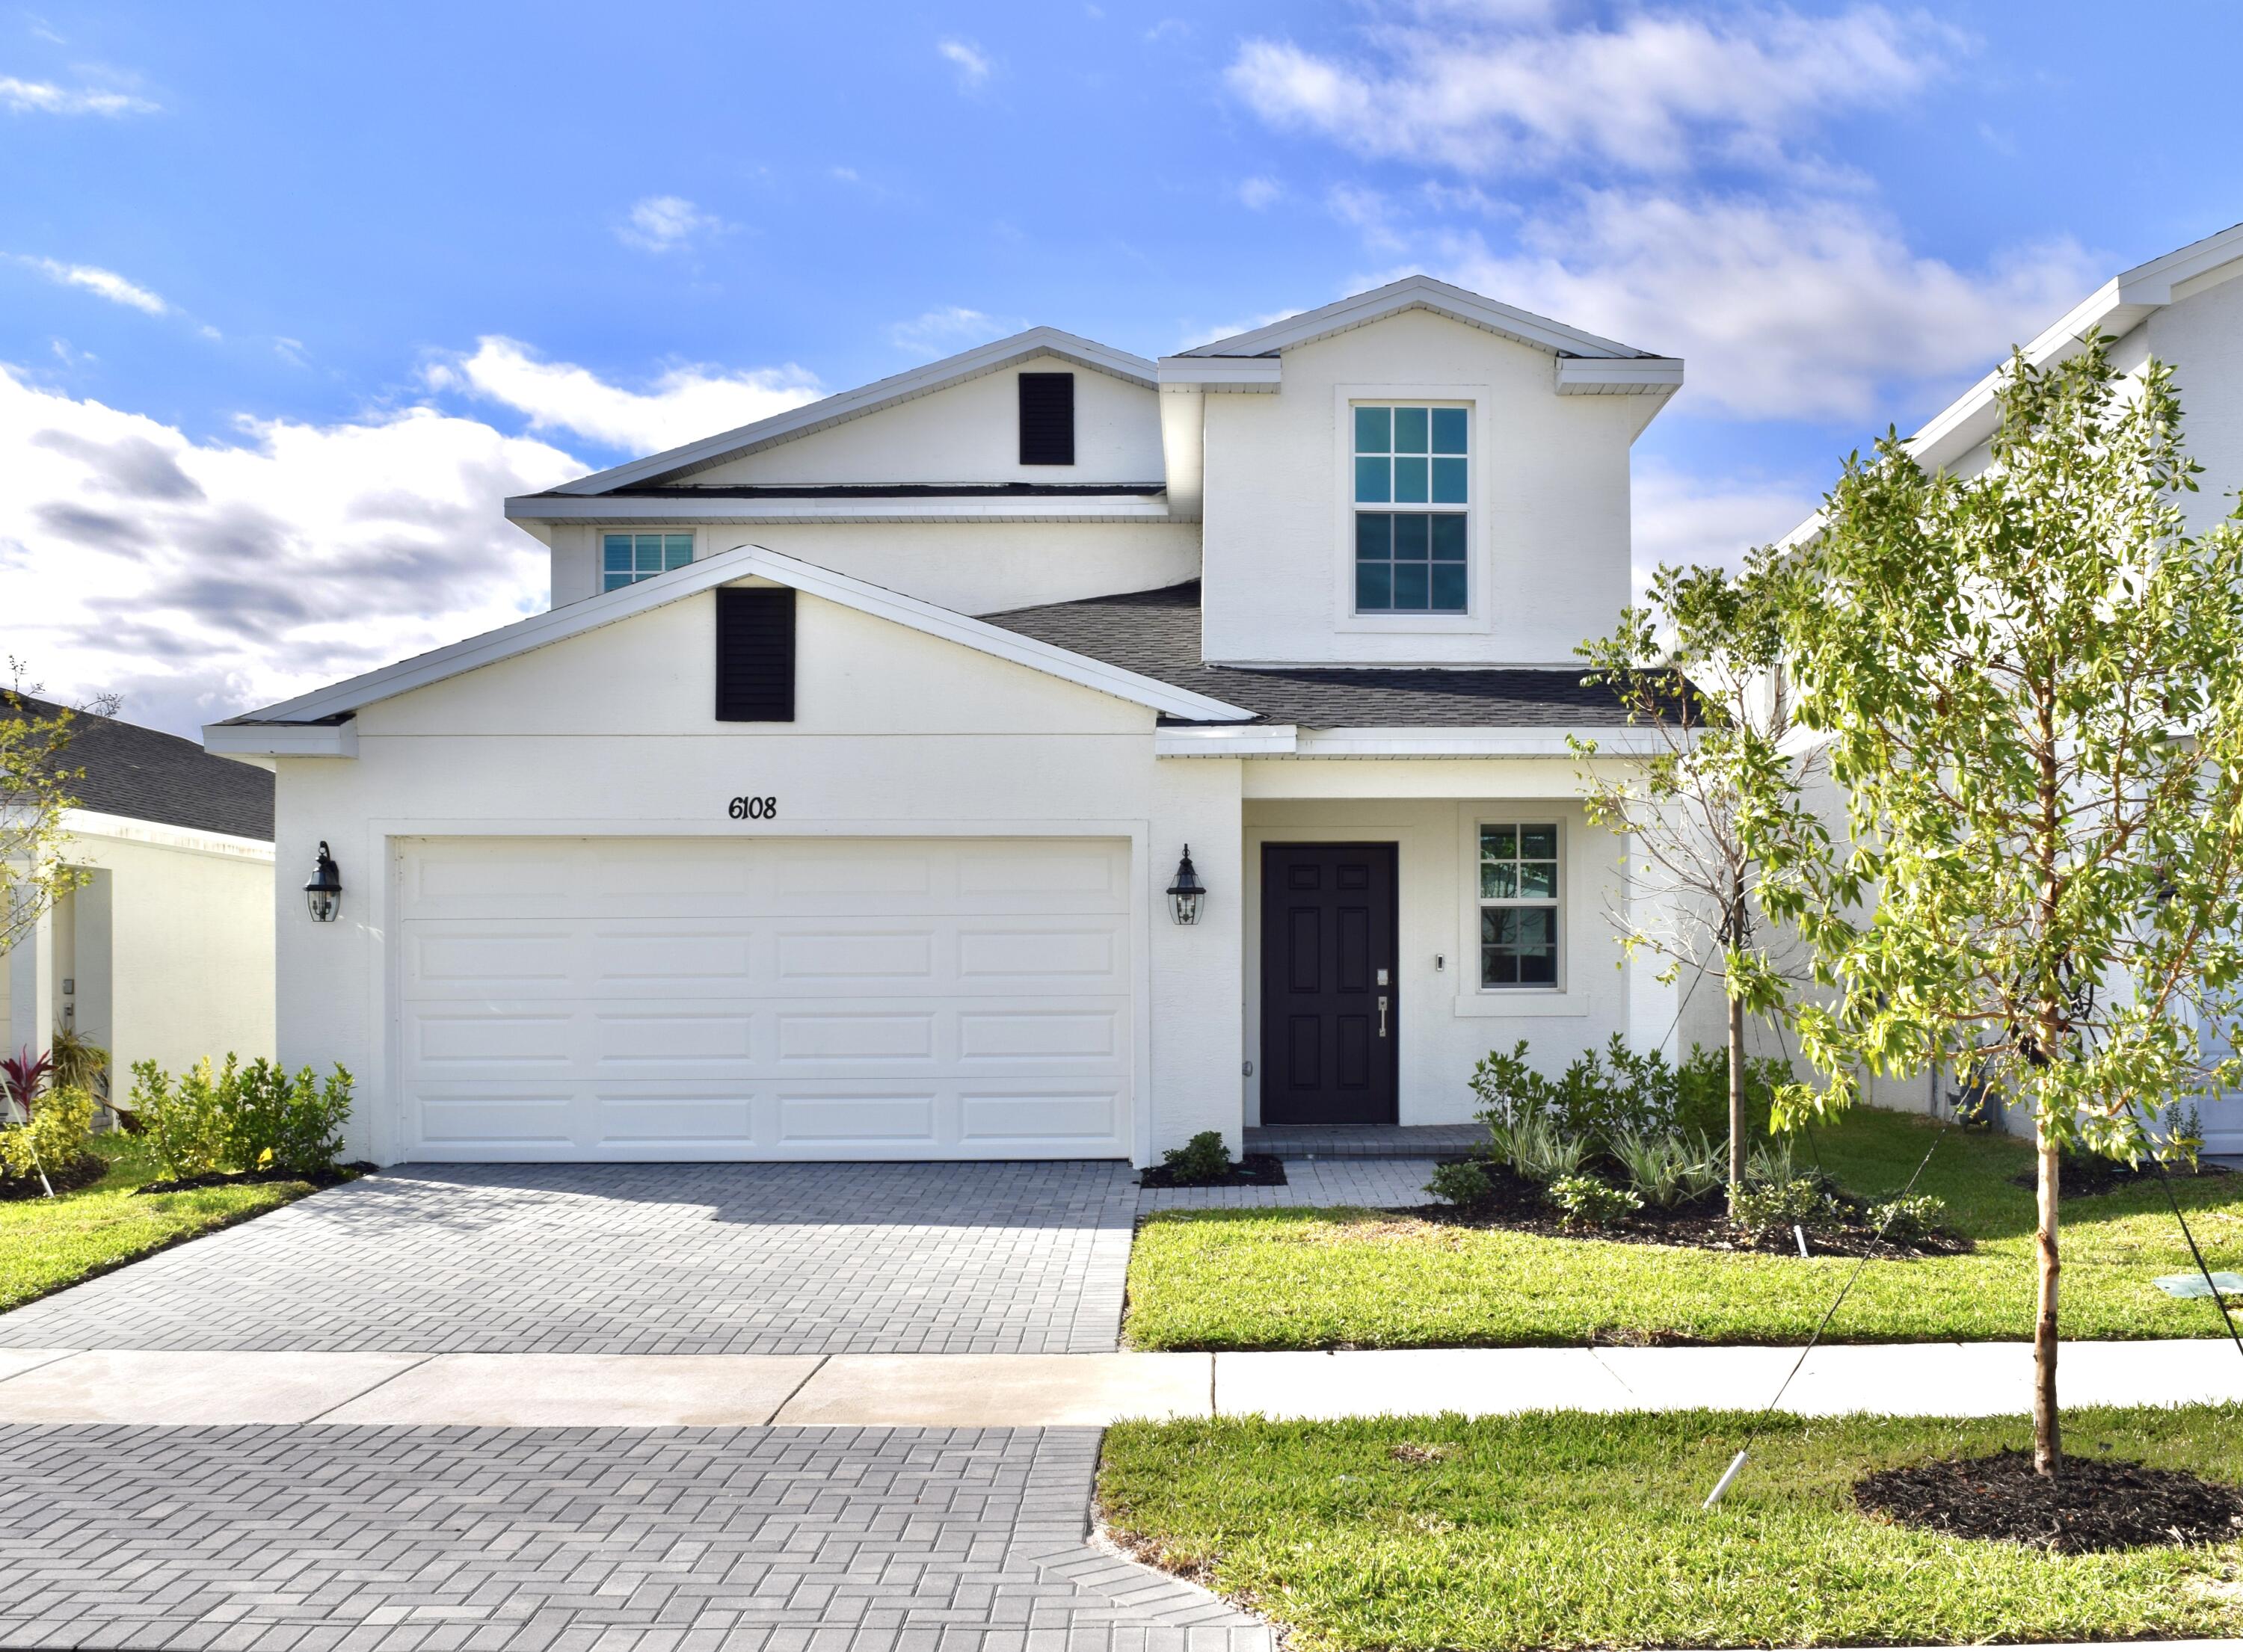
650, 1259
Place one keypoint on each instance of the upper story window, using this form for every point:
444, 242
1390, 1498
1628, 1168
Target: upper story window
628, 557
1412, 559
1518, 904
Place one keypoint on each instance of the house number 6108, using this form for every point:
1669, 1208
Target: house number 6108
753, 809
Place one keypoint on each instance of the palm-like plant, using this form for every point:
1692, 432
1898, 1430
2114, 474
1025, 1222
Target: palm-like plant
23, 1075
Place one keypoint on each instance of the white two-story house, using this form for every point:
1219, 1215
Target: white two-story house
834, 810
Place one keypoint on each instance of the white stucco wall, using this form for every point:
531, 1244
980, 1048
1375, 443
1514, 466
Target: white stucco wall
897, 733
974, 568
968, 433
1550, 545
169, 945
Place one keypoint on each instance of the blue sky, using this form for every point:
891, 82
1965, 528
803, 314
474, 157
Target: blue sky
291, 297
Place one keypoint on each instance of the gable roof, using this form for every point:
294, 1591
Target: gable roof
316, 724
143, 773
1157, 634
1246, 359
2114, 309
994, 357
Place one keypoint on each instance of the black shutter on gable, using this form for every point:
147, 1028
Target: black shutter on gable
755, 654
1047, 419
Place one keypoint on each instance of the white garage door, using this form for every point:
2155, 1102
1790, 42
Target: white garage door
652, 998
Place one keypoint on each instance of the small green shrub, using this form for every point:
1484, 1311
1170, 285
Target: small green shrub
1586, 1201
1801, 1201
1668, 1169
1604, 1094
1542, 1152
232, 1118
1904, 1221
1205, 1158
1463, 1184
55, 1137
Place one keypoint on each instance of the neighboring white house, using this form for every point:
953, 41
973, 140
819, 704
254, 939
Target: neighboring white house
2184, 309
165, 951
831, 809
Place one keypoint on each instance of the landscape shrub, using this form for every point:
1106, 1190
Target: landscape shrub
1670, 1168
1904, 1221
1205, 1158
1589, 1201
232, 1118
55, 1139
1463, 1183
1803, 1201
1604, 1094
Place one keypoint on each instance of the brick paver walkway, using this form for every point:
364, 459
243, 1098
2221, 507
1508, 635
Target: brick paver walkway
656, 1259
323, 1539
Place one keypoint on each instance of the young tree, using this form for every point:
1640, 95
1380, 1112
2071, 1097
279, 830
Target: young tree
1695, 669
2031, 683
35, 789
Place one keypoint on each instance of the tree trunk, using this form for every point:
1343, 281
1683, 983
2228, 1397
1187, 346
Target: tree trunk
1736, 1100
2048, 1441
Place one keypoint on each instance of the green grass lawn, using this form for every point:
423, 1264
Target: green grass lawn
1301, 1279
48, 1243
1568, 1530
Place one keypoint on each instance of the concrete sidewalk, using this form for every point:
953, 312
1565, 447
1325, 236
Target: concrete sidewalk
203, 1388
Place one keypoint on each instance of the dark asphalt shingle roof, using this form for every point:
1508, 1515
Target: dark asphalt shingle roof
1156, 634
145, 773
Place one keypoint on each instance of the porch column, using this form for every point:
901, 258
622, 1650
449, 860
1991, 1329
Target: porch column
31, 988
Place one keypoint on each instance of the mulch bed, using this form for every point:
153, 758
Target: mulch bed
2085, 1176
334, 1177
2094, 1504
88, 1171
1702, 1223
1250, 1170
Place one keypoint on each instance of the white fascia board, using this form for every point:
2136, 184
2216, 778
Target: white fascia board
1248, 373
2116, 308
1624, 376
127, 829
281, 739
1415, 292
748, 561
1249, 740
886, 393
605, 507
1471, 742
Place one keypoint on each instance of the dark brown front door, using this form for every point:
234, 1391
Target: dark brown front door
1330, 1019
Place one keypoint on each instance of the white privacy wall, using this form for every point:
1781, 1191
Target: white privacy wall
897, 733
1549, 502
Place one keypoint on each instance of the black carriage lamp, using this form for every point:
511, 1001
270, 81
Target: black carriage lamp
324, 894
1187, 893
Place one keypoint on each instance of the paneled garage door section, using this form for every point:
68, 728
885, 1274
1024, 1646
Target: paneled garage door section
650, 998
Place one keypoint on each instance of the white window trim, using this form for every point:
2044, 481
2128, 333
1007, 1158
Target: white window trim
600, 533
1477, 617
1571, 996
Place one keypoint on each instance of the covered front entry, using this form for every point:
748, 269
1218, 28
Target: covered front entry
1331, 1010
587, 999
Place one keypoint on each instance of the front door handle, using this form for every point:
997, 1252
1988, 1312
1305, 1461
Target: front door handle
1382, 1018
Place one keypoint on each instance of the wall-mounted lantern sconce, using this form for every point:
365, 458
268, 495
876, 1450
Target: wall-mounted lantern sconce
1186, 894
324, 894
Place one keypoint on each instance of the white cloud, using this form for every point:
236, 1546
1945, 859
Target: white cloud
1694, 519
1257, 194
1369, 212
942, 332
200, 579
106, 283
972, 63
686, 404
666, 223
1808, 309
1482, 90
44, 97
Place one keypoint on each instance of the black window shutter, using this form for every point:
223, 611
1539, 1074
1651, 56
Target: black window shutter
1047, 419
755, 654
